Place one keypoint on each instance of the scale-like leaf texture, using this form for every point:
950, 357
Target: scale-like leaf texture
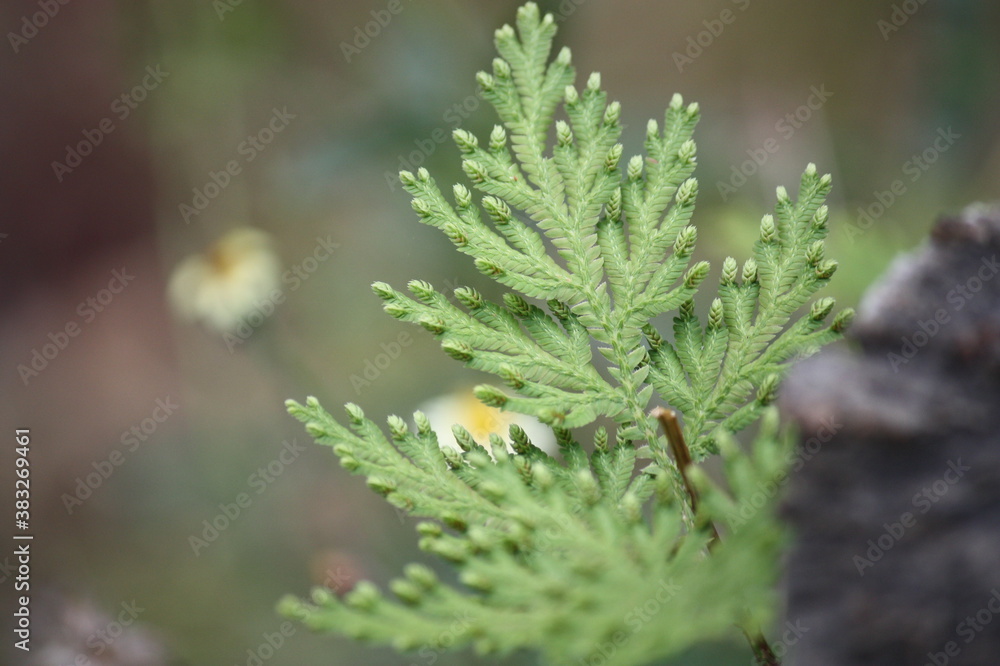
569, 556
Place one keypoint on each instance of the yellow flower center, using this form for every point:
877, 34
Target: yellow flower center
222, 258
481, 420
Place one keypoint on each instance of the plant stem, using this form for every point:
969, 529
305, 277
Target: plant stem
682, 458
682, 455
762, 651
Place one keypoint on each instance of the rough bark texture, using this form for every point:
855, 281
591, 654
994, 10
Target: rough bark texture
897, 516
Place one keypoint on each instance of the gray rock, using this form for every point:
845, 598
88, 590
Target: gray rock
896, 558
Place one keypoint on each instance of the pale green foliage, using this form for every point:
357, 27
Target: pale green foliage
560, 557
557, 555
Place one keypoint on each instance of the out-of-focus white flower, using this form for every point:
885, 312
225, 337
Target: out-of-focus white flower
464, 408
228, 281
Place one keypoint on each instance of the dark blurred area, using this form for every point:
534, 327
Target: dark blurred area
910, 469
140, 140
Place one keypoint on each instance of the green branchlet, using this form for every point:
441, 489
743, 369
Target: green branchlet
557, 555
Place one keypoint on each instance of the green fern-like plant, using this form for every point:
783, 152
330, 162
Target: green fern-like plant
612, 551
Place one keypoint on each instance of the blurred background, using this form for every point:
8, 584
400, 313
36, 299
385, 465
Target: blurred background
173, 499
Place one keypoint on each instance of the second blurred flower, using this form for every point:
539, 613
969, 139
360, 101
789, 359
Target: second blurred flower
464, 408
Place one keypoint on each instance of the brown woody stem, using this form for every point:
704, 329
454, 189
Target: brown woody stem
682, 457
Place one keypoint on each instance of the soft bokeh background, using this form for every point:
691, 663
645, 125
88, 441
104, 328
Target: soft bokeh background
227, 67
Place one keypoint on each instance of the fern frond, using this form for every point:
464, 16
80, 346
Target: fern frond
568, 556
553, 557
